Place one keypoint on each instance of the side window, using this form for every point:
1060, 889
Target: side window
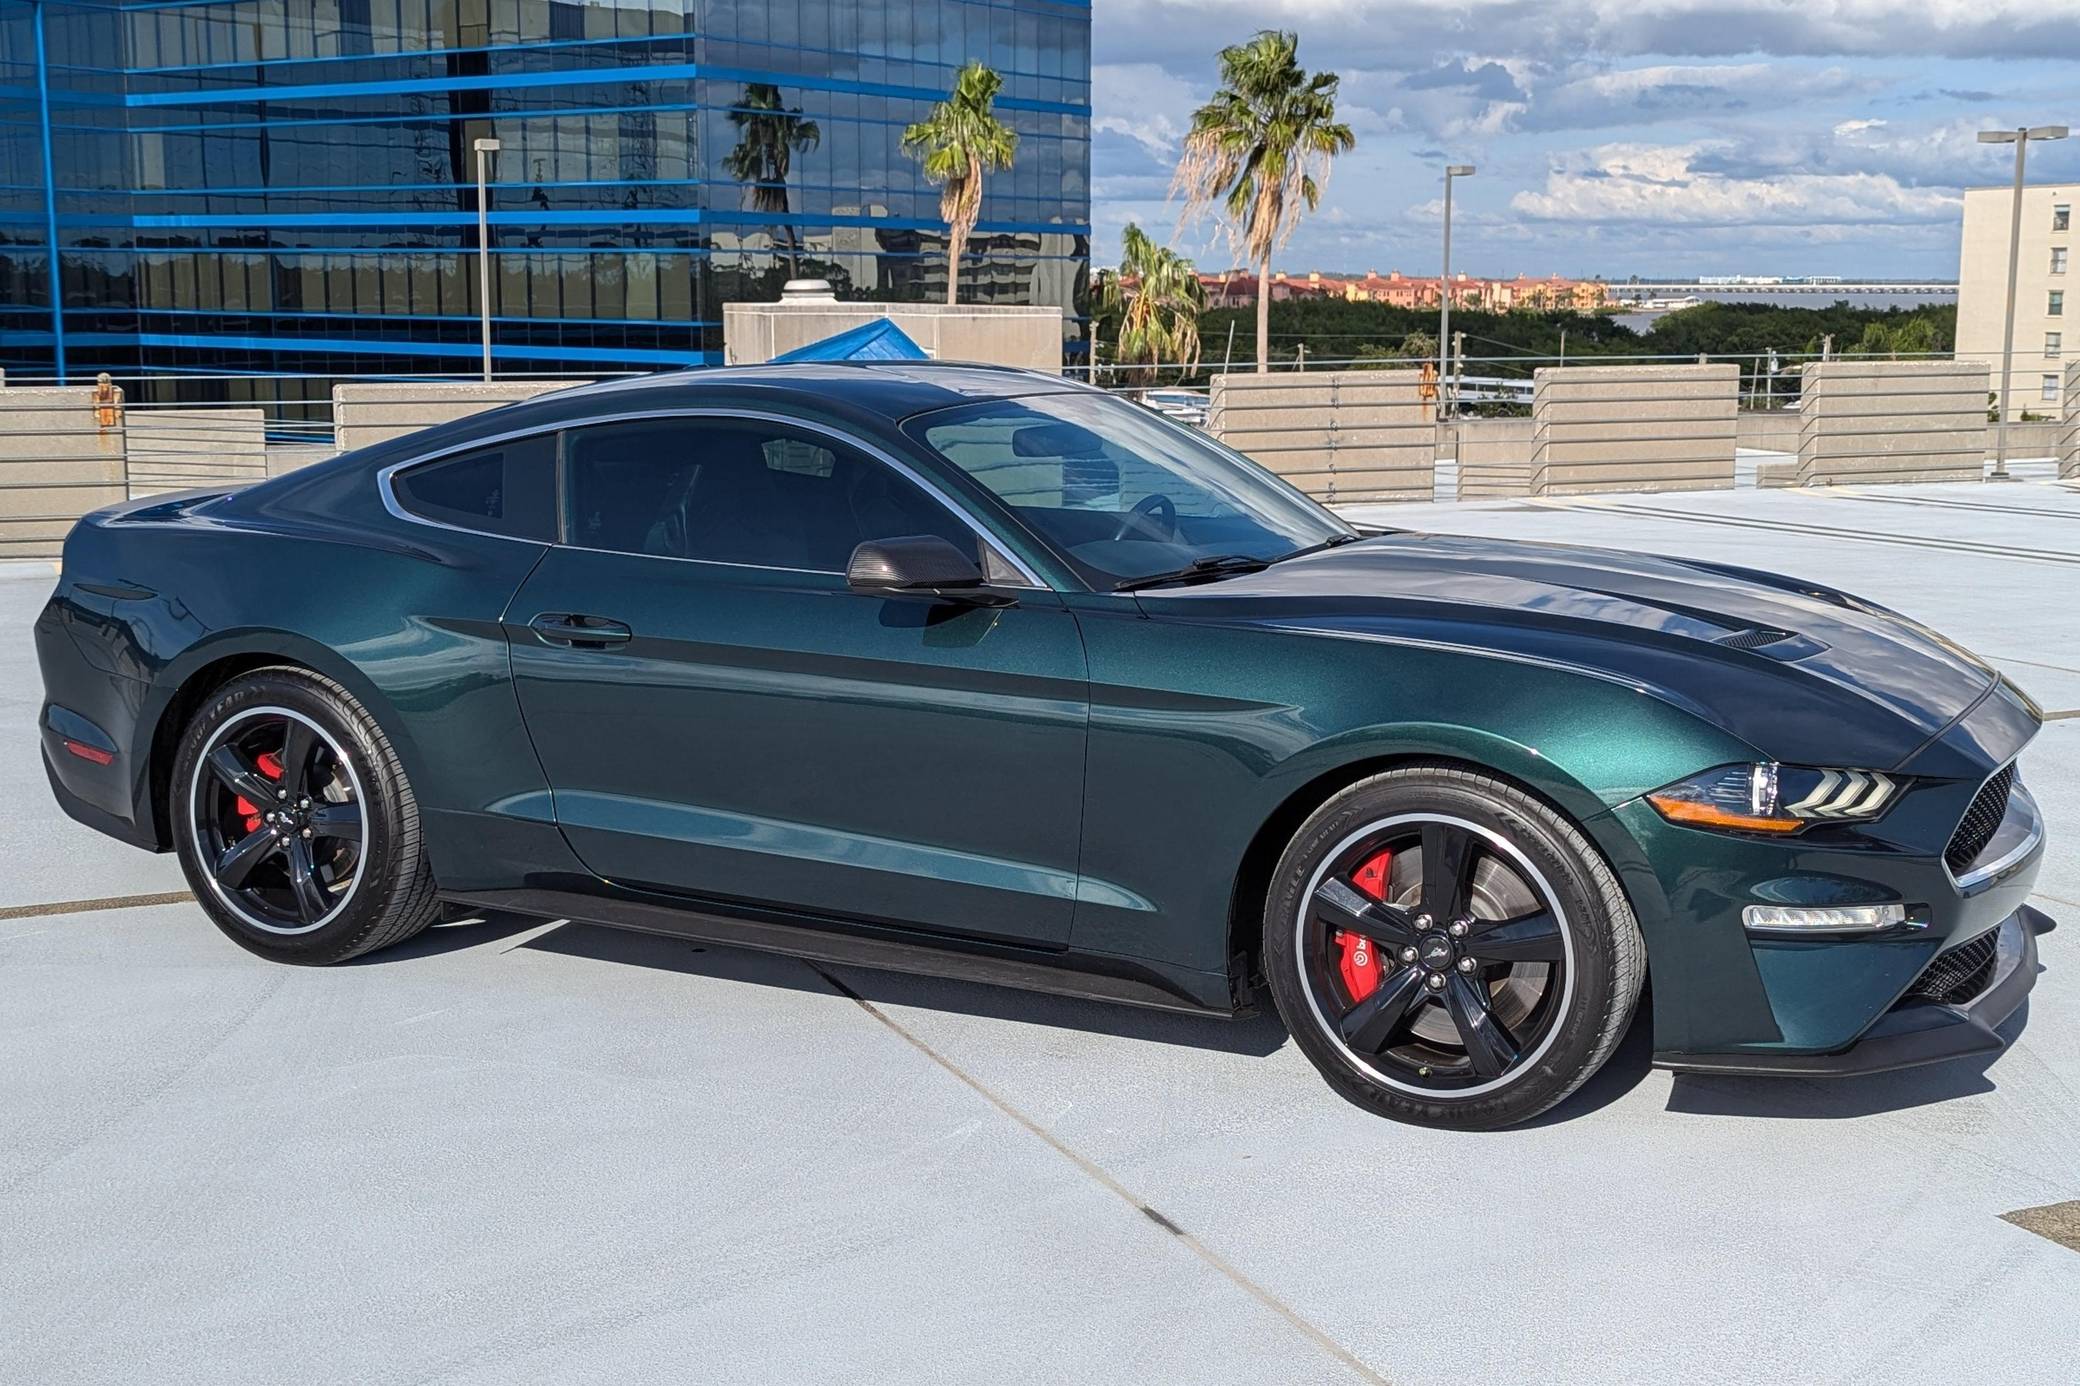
509, 489
740, 491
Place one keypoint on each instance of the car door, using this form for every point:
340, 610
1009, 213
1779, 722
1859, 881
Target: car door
720, 716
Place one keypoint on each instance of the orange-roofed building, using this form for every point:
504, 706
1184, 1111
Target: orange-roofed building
1238, 289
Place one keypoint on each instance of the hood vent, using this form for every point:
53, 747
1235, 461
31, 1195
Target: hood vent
1754, 638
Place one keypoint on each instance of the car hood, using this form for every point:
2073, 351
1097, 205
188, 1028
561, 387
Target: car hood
1798, 670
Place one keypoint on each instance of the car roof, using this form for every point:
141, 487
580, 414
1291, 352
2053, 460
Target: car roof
880, 393
894, 390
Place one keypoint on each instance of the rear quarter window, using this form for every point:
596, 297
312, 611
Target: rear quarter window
508, 489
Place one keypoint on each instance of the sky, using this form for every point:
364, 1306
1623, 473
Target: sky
1612, 137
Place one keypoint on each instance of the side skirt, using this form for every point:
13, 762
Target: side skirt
1091, 977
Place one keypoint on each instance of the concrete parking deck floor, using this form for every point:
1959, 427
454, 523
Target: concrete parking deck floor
511, 1153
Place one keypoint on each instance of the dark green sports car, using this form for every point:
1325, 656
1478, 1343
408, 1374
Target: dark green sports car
970, 671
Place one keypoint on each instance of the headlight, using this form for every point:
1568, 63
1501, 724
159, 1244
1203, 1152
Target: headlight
1774, 798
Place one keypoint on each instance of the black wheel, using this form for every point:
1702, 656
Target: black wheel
1448, 950
294, 822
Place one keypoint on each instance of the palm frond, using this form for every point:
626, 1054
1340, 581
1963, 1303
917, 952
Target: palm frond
1260, 148
959, 142
1159, 313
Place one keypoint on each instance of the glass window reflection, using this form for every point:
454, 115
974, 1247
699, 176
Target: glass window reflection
314, 232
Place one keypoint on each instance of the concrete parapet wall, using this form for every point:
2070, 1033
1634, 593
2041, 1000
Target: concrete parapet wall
366, 414
57, 462
2033, 439
1337, 435
1496, 457
1634, 428
2069, 425
1777, 474
1767, 430
1028, 337
287, 457
180, 449
1892, 421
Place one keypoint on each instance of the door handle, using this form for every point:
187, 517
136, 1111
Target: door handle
572, 631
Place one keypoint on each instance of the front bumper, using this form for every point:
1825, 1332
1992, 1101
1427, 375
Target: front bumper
1909, 1035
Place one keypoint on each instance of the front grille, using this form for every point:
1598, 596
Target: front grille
1955, 975
1981, 821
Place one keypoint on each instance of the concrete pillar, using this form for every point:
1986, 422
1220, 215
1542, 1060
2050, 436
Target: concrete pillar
1872, 421
58, 460
366, 414
1496, 457
1634, 428
287, 457
1338, 435
2069, 425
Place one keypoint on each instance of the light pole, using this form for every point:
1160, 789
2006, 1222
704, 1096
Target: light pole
2020, 138
485, 149
1444, 297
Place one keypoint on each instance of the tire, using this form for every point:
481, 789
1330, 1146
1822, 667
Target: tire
1476, 1021
295, 824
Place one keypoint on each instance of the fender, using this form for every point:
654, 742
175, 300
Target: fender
152, 737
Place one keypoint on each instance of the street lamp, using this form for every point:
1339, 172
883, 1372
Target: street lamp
485, 149
1444, 311
2020, 138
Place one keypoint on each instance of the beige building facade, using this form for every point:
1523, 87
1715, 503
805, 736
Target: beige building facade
2046, 287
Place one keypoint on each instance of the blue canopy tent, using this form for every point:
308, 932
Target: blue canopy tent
879, 340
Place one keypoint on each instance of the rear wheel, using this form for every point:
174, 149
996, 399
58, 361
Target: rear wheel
295, 824
1449, 950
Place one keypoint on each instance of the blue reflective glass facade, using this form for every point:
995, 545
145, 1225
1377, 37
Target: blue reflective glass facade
288, 186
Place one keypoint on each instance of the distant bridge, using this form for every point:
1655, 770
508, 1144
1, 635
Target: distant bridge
1675, 288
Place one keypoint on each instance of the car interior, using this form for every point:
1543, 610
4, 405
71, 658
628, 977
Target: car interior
730, 494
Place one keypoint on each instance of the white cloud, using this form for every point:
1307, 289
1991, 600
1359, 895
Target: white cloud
1662, 185
1406, 34
1143, 102
1934, 154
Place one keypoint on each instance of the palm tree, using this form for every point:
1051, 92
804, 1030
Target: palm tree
1261, 148
772, 133
958, 142
1159, 314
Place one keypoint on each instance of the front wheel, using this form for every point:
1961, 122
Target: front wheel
295, 824
1448, 950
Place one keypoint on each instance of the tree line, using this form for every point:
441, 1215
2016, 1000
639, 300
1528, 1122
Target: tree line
1319, 332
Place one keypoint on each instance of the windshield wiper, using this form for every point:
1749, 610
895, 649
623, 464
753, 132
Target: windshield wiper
1331, 542
1212, 566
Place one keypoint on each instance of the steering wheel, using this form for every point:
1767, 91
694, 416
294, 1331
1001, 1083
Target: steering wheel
1147, 512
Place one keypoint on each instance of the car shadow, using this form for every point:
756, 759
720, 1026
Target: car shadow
451, 937
1627, 1067
1832, 1099
1256, 1035
1802, 1099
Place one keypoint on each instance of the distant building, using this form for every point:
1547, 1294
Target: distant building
1238, 289
2043, 282
226, 188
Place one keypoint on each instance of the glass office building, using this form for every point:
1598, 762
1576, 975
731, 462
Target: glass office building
224, 187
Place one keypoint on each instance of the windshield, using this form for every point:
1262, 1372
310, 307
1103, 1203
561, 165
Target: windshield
1121, 491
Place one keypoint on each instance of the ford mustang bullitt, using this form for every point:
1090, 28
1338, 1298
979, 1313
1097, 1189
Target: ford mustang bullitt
970, 671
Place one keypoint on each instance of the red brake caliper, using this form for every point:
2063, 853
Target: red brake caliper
1358, 959
271, 766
